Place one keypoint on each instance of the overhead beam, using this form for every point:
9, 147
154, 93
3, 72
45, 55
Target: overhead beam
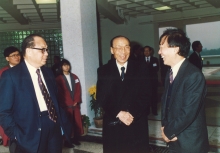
109, 11
215, 3
176, 23
38, 10
8, 6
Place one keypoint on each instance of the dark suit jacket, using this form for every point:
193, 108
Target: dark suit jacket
196, 60
19, 111
132, 95
153, 67
186, 117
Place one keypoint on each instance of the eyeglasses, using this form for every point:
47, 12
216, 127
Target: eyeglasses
126, 48
15, 55
43, 50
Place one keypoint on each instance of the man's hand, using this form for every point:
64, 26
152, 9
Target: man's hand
125, 117
164, 136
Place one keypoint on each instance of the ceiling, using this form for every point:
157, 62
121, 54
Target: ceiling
27, 12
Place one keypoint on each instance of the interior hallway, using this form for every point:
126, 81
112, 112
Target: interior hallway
212, 75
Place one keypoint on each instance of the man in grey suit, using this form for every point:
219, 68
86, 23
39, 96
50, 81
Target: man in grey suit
183, 111
29, 112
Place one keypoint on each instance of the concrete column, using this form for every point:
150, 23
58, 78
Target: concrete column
80, 44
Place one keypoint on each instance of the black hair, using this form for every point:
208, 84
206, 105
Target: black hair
63, 62
10, 50
28, 42
176, 38
195, 44
119, 36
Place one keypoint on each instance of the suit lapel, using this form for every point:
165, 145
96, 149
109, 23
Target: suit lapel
48, 82
178, 79
67, 85
27, 83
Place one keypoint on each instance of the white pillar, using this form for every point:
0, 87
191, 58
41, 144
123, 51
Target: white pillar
80, 44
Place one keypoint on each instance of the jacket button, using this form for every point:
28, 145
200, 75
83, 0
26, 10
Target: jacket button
39, 129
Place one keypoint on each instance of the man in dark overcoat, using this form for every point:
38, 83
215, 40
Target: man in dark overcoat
123, 90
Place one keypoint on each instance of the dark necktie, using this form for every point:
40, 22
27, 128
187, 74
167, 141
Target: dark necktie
171, 76
122, 73
148, 60
48, 100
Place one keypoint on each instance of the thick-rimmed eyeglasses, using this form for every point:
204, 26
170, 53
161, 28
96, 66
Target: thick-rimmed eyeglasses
43, 50
15, 55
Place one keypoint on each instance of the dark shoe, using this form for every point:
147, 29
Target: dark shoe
68, 145
76, 142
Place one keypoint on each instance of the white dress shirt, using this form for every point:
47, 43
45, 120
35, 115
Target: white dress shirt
176, 68
68, 80
119, 67
41, 102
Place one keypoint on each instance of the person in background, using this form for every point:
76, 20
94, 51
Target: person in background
123, 91
55, 67
153, 66
183, 107
136, 53
29, 112
195, 57
69, 96
13, 56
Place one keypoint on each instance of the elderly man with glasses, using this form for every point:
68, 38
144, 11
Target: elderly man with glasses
29, 111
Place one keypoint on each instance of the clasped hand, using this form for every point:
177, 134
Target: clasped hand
125, 117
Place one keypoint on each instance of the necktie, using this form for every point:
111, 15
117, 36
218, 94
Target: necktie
48, 100
148, 60
122, 73
171, 76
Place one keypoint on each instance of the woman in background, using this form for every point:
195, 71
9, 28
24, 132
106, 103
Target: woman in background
70, 98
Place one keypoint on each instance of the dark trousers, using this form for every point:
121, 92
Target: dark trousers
154, 99
50, 141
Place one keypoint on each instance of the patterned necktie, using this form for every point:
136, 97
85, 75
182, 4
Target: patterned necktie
171, 76
122, 73
48, 100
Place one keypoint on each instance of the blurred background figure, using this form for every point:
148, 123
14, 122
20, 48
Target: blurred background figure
153, 67
13, 56
55, 67
136, 53
69, 89
195, 57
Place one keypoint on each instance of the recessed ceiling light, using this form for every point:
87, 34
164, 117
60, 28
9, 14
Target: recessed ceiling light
163, 8
46, 1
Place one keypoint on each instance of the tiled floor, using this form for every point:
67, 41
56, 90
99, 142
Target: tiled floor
212, 113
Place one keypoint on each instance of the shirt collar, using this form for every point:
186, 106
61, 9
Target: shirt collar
147, 57
31, 69
119, 66
176, 68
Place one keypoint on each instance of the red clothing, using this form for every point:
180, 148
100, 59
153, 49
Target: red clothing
2, 133
3, 69
67, 100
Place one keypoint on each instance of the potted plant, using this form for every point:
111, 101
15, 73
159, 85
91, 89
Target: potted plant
98, 120
86, 123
